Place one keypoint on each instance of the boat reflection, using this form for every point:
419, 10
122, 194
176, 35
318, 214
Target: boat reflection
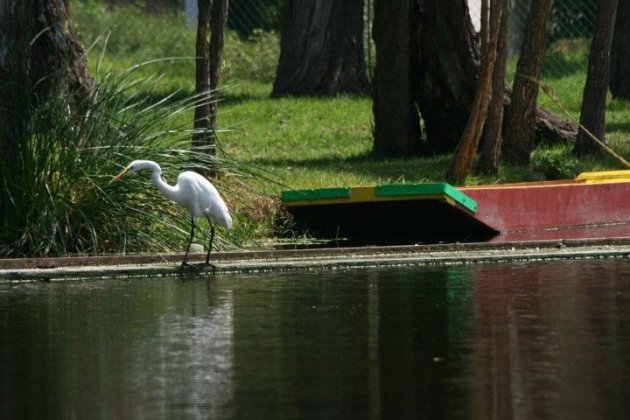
551, 341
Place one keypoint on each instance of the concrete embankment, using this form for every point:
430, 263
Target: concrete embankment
74, 268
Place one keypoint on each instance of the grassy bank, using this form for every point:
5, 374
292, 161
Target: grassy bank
310, 142
297, 142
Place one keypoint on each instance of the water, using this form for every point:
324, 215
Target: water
526, 341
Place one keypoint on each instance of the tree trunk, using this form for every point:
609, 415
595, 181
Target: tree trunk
40, 56
462, 163
620, 53
521, 115
396, 120
218, 20
445, 65
37, 41
201, 135
491, 146
593, 112
484, 23
321, 49
211, 20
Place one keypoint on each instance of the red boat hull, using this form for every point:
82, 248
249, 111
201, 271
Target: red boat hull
594, 205
554, 210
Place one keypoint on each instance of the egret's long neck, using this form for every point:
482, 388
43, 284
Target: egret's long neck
168, 190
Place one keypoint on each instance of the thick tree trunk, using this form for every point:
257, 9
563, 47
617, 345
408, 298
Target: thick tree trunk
521, 115
37, 41
445, 64
593, 112
321, 49
396, 120
620, 53
40, 56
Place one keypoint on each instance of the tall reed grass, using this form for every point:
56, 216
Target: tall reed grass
58, 198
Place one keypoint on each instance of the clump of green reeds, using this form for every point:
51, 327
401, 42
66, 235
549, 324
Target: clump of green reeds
56, 193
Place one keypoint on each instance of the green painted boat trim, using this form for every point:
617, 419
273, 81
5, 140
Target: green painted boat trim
397, 190
407, 191
316, 194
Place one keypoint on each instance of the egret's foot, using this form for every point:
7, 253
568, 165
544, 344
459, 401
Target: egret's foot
197, 267
209, 265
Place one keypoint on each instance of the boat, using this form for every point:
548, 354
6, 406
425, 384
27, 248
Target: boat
592, 205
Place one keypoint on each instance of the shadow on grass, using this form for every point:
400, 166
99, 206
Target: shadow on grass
231, 98
618, 126
409, 169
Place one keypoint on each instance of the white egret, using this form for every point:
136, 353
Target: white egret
194, 192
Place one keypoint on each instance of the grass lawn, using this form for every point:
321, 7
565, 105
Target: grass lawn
62, 200
312, 142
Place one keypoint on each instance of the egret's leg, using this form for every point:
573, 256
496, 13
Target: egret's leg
211, 240
192, 233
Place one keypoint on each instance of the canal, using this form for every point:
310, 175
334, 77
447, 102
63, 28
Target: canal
541, 340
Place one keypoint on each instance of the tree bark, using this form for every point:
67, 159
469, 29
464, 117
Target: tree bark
218, 20
462, 162
211, 21
593, 112
445, 65
521, 115
40, 56
491, 146
484, 23
201, 124
37, 41
620, 53
396, 120
321, 49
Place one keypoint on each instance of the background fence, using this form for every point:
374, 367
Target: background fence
258, 21
568, 33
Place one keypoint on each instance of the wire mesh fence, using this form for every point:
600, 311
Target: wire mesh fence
568, 31
245, 16
258, 22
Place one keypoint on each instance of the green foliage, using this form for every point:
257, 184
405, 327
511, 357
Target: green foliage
247, 16
253, 58
571, 19
130, 36
556, 163
566, 58
59, 196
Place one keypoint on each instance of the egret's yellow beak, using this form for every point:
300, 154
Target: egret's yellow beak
120, 175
